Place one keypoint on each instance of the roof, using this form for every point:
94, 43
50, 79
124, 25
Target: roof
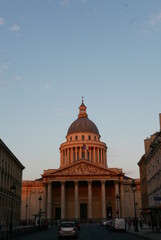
82, 123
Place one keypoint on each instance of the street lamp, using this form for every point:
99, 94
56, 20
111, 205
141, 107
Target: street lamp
13, 189
26, 212
133, 187
40, 200
117, 202
109, 212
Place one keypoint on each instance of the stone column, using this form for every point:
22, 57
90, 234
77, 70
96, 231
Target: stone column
72, 155
76, 155
103, 160
90, 155
49, 201
89, 199
80, 152
94, 155
103, 199
45, 199
98, 159
62, 200
117, 201
76, 198
67, 155
122, 214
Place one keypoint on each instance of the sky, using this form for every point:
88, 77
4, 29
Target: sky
53, 52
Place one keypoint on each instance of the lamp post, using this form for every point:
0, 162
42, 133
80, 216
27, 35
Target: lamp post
117, 204
13, 189
52, 206
133, 187
109, 210
40, 200
26, 212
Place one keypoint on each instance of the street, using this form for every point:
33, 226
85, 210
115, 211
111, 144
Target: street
87, 232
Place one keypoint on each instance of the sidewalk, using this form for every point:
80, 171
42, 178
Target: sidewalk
146, 233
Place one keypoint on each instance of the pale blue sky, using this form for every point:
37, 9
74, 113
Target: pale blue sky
52, 52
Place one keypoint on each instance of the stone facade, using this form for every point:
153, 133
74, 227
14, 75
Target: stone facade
83, 187
150, 171
10, 173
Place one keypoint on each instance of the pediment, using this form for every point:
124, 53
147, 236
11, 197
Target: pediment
84, 167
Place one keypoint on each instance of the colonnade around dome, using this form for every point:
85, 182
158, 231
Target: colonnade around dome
83, 187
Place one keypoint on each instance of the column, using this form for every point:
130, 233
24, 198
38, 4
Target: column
80, 152
98, 159
61, 158
89, 199
67, 155
117, 201
103, 199
72, 155
45, 199
94, 155
62, 200
122, 198
101, 156
49, 201
90, 155
76, 198
103, 159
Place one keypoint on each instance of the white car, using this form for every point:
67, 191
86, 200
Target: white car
67, 229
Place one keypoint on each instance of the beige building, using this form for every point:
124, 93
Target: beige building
10, 173
150, 171
83, 187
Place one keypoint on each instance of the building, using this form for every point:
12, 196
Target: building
150, 177
83, 187
150, 171
10, 186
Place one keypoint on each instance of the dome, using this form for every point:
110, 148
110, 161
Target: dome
83, 123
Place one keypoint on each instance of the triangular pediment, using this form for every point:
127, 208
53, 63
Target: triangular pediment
83, 167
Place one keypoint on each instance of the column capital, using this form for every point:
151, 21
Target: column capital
89, 182
62, 182
76, 181
103, 181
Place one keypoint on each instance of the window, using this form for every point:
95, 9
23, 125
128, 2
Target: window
83, 137
76, 137
89, 137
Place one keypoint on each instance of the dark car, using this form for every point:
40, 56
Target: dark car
67, 229
77, 224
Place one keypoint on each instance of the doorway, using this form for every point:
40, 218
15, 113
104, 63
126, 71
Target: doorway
83, 212
108, 212
57, 213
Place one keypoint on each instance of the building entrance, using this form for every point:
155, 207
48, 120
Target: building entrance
57, 213
83, 212
108, 212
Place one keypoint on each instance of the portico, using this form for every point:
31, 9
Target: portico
77, 196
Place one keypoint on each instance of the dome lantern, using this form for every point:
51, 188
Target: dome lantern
82, 110
83, 123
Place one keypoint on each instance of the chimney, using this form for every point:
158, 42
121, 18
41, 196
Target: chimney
160, 120
147, 143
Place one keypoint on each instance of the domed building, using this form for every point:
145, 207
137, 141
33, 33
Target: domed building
83, 187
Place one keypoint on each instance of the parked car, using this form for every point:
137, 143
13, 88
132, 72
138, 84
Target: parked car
67, 229
77, 223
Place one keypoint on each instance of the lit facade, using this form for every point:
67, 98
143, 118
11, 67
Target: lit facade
150, 171
83, 187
